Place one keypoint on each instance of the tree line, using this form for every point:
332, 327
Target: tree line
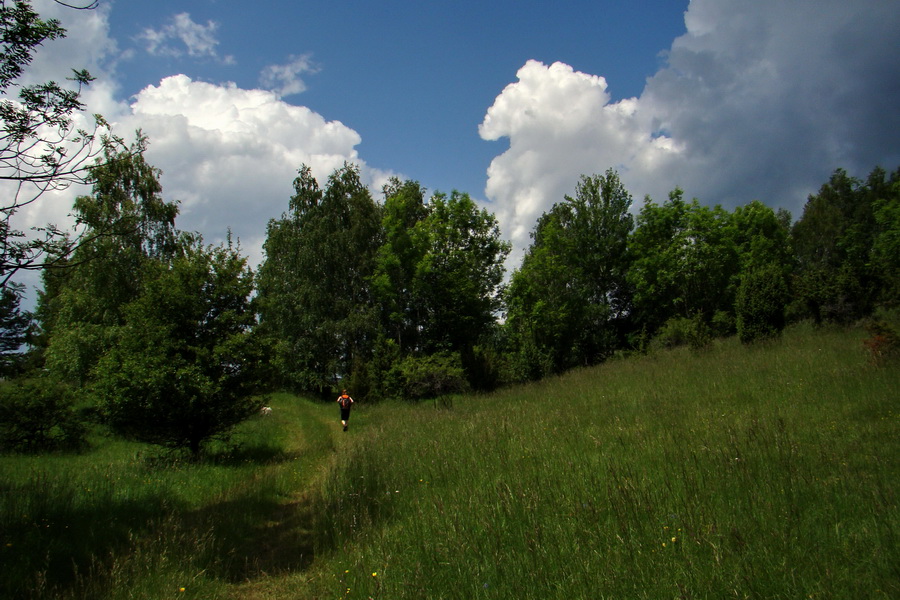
171, 340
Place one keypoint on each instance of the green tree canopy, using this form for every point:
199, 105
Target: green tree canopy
565, 301
458, 281
127, 225
394, 280
834, 238
315, 299
185, 365
685, 262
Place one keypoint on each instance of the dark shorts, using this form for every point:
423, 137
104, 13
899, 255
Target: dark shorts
345, 414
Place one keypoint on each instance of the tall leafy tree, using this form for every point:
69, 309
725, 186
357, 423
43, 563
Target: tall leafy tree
833, 241
762, 239
885, 256
544, 308
762, 236
315, 298
685, 262
185, 366
437, 284
459, 277
394, 279
283, 290
566, 301
127, 224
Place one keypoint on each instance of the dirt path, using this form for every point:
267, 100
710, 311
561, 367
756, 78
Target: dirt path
285, 548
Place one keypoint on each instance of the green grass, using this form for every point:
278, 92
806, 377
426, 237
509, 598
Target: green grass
760, 472
124, 521
765, 472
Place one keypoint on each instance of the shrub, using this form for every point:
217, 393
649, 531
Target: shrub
38, 415
529, 363
760, 305
683, 331
417, 378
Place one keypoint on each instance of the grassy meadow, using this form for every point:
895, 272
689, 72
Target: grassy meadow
768, 471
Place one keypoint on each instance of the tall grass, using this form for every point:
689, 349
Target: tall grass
762, 472
739, 472
127, 522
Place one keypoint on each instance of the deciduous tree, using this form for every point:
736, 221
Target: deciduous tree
566, 301
315, 296
127, 224
185, 365
41, 145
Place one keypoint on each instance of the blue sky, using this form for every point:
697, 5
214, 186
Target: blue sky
509, 101
412, 78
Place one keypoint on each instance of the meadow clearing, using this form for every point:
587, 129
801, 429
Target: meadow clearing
763, 471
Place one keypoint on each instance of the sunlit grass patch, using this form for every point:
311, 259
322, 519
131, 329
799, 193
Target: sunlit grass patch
736, 472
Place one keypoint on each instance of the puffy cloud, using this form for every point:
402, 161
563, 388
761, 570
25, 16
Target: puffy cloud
285, 80
182, 35
560, 124
229, 155
756, 100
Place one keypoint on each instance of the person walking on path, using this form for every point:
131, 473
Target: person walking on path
346, 402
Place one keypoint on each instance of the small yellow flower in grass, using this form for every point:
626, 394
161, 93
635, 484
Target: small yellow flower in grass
674, 539
374, 574
664, 544
181, 589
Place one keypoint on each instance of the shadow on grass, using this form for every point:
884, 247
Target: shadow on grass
226, 455
242, 454
60, 540
257, 537
63, 551
57, 542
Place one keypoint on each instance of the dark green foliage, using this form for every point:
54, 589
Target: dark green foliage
566, 302
38, 415
432, 376
830, 295
394, 283
314, 299
761, 302
13, 329
843, 244
129, 226
684, 331
185, 367
686, 260
459, 276
885, 257
349, 287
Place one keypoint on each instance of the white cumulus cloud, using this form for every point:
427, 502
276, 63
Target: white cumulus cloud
758, 100
560, 124
230, 155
